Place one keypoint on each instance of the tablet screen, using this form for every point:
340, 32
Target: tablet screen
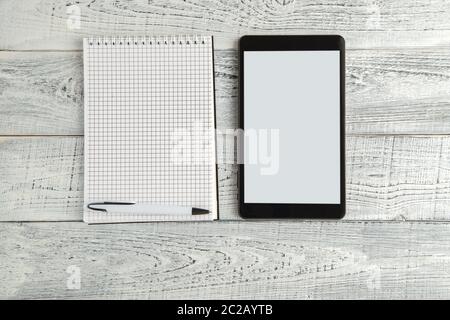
292, 127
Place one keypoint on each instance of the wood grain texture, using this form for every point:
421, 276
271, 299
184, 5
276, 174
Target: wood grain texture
46, 24
215, 260
388, 178
41, 178
388, 91
41, 93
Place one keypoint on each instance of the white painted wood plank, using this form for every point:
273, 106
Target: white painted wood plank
225, 260
401, 92
41, 178
41, 93
388, 91
46, 24
398, 177
388, 178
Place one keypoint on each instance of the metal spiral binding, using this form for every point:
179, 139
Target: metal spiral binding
148, 40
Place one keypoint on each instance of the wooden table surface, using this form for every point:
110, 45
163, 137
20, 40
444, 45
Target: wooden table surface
394, 241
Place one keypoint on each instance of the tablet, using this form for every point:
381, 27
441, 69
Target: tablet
292, 116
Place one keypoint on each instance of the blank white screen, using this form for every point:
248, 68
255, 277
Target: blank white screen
296, 92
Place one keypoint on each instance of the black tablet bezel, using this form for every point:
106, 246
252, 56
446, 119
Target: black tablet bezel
294, 43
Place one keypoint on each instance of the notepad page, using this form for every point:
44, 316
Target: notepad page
149, 125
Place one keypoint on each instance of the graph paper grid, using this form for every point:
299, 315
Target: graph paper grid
149, 125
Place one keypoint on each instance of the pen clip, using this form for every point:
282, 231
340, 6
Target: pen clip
106, 203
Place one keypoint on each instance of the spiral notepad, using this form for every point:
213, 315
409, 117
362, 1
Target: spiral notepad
149, 125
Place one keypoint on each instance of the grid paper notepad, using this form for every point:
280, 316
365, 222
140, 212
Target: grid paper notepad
149, 125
